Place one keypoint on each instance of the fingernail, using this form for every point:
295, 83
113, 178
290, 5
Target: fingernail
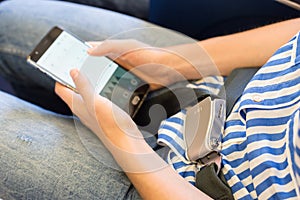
74, 73
90, 50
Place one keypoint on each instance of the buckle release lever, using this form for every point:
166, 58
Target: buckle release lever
204, 126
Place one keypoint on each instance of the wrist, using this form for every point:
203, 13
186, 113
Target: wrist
192, 61
134, 155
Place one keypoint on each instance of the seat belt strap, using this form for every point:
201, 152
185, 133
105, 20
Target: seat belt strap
209, 179
235, 84
178, 96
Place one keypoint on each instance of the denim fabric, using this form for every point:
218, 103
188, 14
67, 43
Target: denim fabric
24, 23
41, 155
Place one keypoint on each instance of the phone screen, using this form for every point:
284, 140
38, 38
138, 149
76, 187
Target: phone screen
60, 51
67, 53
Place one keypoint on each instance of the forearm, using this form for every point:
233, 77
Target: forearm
150, 174
164, 184
245, 49
250, 48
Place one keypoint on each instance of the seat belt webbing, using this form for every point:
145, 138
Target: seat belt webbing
235, 84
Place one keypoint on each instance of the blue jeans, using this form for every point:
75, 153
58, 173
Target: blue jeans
41, 154
24, 23
42, 157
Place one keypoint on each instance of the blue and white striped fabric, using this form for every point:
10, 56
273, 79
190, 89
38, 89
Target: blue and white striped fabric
261, 141
171, 130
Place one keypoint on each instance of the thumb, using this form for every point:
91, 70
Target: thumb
83, 86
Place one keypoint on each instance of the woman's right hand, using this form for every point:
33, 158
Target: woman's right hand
157, 66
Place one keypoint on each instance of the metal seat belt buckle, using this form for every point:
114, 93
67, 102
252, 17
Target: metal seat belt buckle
203, 128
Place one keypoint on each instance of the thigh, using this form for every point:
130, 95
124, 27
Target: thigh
24, 23
42, 157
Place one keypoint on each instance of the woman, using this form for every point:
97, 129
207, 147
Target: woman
74, 173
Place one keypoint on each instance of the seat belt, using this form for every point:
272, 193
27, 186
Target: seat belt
176, 97
209, 179
214, 183
204, 121
235, 84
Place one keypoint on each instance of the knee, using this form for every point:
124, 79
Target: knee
19, 25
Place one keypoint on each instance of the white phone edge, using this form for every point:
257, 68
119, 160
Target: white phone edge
48, 73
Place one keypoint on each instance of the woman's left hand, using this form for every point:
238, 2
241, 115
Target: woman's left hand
111, 124
122, 138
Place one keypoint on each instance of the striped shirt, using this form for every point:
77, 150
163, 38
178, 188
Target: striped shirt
261, 140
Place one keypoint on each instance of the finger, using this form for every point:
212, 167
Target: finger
83, 86
94, 43
72, 99
115, 47
106, 48
64, 93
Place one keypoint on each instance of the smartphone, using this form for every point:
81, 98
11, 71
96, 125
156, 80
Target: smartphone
60, 51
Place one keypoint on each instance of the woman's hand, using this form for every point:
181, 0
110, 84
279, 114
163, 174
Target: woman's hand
112, 125
120, 135
157, 66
